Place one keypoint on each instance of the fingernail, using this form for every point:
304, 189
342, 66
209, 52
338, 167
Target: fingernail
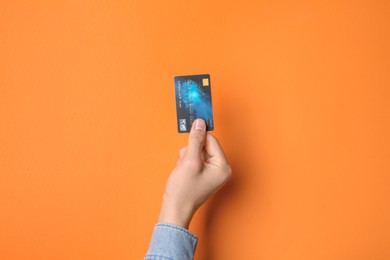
200, 124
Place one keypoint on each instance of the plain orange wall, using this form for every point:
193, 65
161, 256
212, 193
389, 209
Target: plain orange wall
301, 95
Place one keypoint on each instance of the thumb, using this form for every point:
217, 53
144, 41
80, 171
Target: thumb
196, 140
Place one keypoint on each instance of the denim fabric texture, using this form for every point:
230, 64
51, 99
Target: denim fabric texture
171, 242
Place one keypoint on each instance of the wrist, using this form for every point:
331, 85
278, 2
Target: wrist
171, 213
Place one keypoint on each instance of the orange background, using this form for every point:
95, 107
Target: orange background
88, 137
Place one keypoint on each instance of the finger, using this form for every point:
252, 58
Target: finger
182, 152
181, 155
214, 149
204, 156
196, 140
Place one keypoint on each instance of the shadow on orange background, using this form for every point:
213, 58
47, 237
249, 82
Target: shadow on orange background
88, 133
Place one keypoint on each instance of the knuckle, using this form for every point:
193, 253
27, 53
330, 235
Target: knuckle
182, 151
228, 171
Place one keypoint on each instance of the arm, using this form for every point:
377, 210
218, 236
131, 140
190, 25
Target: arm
200, 171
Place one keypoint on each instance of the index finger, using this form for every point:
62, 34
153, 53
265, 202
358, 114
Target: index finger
214, 149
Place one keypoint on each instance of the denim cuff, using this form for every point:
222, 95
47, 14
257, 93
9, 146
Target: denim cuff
171, 242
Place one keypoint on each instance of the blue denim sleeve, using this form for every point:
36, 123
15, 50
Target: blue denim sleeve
171, 242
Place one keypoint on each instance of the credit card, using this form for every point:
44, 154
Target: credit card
193, 100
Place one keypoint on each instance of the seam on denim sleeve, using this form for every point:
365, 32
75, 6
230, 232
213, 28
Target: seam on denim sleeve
185, 231
157, 257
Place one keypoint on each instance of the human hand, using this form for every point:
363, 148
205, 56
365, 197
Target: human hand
200, 171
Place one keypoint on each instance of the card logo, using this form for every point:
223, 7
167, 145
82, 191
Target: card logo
182, 125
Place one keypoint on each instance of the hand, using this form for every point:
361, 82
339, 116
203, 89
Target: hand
201, 170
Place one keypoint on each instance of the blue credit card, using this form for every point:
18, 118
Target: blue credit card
193, 100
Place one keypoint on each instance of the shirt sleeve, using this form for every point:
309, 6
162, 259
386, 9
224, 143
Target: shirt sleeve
171, 242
